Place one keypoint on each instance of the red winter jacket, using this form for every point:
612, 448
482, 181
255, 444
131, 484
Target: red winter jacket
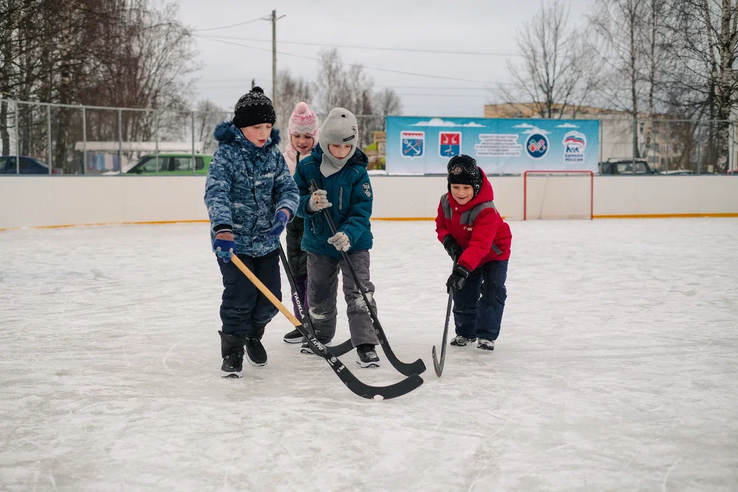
476, 226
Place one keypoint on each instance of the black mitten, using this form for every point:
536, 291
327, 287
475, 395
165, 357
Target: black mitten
456, 279
452, 247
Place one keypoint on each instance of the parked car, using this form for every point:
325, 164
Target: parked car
679, 172
28, 165
170, 164
625, 166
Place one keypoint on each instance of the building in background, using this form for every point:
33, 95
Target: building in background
658, 140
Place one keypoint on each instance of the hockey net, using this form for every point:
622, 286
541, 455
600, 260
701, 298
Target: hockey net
558, 195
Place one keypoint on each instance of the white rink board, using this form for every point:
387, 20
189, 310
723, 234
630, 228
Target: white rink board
615, 369
34, 201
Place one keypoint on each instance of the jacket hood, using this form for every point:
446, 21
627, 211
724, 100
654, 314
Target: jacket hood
225, 132
486, 194
358, 159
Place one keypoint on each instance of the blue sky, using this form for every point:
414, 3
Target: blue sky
459, 26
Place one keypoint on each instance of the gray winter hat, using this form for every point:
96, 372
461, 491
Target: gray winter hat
339, 128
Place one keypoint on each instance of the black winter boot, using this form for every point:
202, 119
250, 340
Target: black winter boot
485, 344
367, 355
231, 348
255, 352
459, 341
293, 337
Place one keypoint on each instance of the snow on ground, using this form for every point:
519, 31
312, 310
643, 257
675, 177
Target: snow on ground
615, 370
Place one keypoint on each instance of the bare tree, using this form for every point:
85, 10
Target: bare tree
130, 53
627, 37
332, 87
348, 88
360, 88
706, 49
554, 75
707, 54
618, 27
290, 91
657, 60
387, 103
207, 116
657, 52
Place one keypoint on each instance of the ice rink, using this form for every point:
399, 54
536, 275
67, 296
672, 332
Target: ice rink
616, 368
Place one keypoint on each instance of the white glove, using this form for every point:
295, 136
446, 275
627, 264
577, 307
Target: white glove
340, 241
318, 201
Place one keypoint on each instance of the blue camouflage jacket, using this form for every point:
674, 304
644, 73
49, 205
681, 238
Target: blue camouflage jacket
350, 193
246, 184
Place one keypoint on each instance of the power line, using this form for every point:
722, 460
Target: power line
402, 94
228, 26
442, 95
238, 82
232, 82
351, 64
231, 85
455, 88
378, 48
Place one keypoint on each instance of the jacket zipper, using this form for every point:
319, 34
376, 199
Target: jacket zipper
340, 198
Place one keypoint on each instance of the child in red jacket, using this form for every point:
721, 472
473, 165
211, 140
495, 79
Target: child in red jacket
478, 240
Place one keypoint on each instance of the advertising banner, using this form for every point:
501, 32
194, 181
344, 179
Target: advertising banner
424, 145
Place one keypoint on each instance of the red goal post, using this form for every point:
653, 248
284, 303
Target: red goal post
557, 173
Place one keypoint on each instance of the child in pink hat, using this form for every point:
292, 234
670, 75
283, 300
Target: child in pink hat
303, 131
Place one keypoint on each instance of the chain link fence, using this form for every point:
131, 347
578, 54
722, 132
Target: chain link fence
57, 139
665, 146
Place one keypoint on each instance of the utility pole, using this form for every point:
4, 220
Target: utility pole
274, 20
274, 58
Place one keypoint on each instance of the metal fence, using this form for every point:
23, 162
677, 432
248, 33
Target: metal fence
91, 140
668, 146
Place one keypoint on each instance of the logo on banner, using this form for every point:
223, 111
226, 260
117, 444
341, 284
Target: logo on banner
449, 144
537, 145
413, 144
574, 145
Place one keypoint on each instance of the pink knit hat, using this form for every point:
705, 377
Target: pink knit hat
304, 121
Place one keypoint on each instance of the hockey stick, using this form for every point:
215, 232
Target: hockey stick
416, 367
337, 350
438, 365
352, 383
306, 321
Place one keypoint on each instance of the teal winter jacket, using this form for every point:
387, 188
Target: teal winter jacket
350, 192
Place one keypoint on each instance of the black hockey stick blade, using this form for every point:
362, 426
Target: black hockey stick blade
417, 367
341, 349
351, 382
438, 365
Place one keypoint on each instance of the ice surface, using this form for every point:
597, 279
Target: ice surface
615, 369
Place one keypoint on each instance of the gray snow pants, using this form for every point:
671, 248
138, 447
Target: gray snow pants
323, 291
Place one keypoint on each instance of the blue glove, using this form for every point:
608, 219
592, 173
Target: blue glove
224, 246
280, 220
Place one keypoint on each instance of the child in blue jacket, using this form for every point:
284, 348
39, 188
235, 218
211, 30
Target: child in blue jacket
339, 169
250, 196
